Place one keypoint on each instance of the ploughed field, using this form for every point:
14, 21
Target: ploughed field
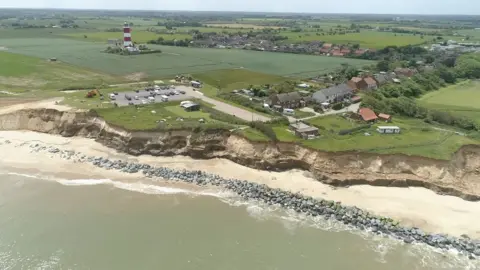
173, 60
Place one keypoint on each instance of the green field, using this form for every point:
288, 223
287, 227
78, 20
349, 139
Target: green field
19, 73
230, 79
174, 60
366, 39
140, 36
460, 99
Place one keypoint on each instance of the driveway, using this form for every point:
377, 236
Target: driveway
352, 108
224, 107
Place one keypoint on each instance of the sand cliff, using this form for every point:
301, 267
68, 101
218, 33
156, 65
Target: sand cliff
457, 177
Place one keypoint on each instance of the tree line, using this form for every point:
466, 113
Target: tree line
401, 98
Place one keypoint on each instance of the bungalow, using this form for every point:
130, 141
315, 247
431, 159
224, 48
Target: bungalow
388, 129
406, 72
290, 100
385, 117
332, 94
345, 51
190, 107
367, 114
303, 130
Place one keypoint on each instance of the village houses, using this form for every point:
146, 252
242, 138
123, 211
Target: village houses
290, 100
332, 94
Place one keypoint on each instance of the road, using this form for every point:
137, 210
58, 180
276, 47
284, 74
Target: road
224, 107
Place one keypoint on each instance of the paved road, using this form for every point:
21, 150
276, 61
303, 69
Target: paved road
224, 107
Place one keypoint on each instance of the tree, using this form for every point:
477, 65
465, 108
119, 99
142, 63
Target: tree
383, 65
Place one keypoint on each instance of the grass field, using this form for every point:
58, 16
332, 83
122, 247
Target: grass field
460, 99
366, 39
417, 138
20, 73
175, 60
230, 79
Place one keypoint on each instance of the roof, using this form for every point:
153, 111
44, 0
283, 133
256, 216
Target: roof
289, 96
384, 115
382, 78
356, 79
307, 129
302, 127
195, 82
327, 45
355, 98
370, 80
331, 92
388, 127
367, 114
189, 105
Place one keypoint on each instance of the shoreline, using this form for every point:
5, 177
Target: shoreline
410, 206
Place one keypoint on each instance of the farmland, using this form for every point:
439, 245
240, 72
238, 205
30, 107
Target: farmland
229, 79
140, 36
19, 73
460, 99
174, 60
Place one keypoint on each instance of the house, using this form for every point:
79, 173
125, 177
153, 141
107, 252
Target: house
290, 100
332, 94
303, 130
359, 52
324, 50
345, 51
357, 83
327, 46
385, 117
367, 114
370, 82
406, 72
337, 53
190, 107
382, 78
388, 129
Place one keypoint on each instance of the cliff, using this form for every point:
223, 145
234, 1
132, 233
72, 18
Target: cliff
457, 177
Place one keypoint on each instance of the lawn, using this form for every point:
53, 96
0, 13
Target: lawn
366, 39
137, 36
460, 99
175, 60
230, 79
416, 138
156, 115
253, 135
19, 73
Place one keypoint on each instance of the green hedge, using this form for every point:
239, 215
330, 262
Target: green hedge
265, 129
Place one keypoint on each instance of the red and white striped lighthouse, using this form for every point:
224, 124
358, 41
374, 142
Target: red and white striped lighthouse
127, 35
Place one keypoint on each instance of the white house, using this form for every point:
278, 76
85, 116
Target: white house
388, 129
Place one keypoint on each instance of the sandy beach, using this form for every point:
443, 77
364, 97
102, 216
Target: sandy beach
412, 206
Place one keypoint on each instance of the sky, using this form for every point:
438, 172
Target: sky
470, 7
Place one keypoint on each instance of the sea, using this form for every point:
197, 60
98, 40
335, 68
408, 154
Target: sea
53, 223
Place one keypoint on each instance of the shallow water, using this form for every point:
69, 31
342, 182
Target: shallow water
105, 224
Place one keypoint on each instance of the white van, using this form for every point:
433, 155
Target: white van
164, 98
151, 99
112, 96
288, 111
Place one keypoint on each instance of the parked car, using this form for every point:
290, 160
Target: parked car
136, 97
115, 93
182, 92
176, 93
137, 91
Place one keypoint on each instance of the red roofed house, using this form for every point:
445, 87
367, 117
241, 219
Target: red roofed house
345, 51
385, 117
359, 52
370, 83
337, 53
324, 50
356, 83
367, 114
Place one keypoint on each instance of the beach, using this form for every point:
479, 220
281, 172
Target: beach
416, 207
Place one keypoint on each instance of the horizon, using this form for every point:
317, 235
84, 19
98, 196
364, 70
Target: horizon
348, 7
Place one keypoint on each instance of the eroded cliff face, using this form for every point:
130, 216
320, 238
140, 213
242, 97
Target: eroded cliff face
458, 177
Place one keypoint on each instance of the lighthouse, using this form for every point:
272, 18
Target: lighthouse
127, 35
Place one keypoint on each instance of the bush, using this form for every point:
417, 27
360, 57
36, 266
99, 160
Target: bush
245, 102
337, 106
265, 129
317, 108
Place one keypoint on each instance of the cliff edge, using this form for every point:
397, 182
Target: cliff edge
458, 177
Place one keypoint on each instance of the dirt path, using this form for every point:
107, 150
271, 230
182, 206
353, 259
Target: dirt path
23, 103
